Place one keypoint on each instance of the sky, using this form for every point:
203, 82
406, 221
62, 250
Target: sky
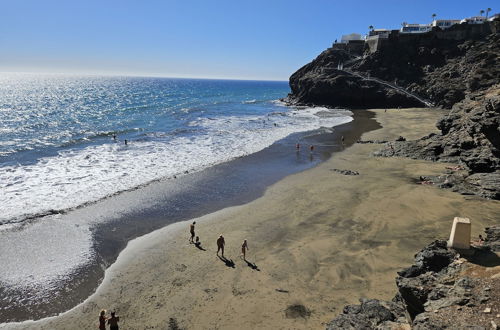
255, 39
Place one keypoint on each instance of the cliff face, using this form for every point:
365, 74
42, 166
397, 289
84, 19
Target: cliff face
457, 68
432, 290
440, 66
440, 70
321, 83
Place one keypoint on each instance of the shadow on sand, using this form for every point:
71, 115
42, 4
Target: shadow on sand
252, 265
482, 256
198, 245
228, 262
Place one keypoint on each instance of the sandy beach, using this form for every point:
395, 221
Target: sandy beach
318, 239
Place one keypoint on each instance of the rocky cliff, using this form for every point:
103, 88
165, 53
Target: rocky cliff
441, 282
457, 68
321, 83
439, 66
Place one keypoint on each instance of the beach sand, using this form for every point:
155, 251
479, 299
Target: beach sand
318, 239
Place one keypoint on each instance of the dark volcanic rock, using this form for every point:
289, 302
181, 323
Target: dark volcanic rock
416, 282
470, 135
441, 70
433, 257
344, 172
492, 239
320, 83
368, 315
435, 284
371, 141
441, 66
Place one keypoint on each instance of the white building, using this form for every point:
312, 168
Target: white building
350, 37
445, 23
474, 20
415, 28
492, 18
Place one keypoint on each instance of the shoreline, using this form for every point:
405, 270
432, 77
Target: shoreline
140, 211
323, 240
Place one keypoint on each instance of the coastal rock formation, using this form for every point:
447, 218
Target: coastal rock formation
438, 69
470, 136
321, 83
441, 282
456, 68
442, 66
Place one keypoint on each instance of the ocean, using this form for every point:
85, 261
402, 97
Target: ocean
62, 148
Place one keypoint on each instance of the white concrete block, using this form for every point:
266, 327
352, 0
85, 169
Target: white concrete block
460, 234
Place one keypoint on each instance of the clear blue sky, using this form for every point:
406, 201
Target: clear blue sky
253, 39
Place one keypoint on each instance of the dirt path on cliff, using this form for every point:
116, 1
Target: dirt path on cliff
319, 240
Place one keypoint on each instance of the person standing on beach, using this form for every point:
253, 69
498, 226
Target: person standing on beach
113, 321
220, 245
244, 248
191, 230
102, 320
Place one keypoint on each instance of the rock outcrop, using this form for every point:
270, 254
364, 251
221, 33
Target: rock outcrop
441, 282
470, 136
442, 66
321, 83
456, 68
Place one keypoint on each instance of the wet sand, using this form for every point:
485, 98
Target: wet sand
318, 239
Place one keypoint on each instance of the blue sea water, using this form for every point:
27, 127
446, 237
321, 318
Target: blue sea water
57, 149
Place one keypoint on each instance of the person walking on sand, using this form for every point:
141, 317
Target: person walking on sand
102, 320
113, 321
191, 230
244, 248
220, 245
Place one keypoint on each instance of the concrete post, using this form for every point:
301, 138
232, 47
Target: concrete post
460, 234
